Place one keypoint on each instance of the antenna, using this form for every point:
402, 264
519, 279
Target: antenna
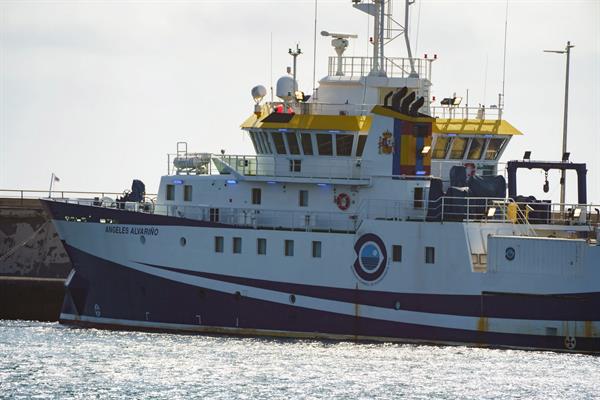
315, 53
383, 30
501, 97
295, 54
271, 67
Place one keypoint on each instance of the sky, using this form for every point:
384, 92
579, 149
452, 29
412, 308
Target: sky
98, 92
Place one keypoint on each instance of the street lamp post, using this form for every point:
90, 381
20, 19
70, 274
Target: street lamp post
566, 51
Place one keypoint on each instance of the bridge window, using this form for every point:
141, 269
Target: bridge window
459, 145
262, 148
307, 147
170, 192
343, 144
476, 149
187, 192
278, 141
292, 143
325, 144
442, 144
266, 144
255, 142
494, 148
362, 139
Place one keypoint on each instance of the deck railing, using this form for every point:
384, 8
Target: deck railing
395, 67
273, 166
481, 113
529, 216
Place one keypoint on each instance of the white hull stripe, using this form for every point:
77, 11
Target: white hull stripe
498, 325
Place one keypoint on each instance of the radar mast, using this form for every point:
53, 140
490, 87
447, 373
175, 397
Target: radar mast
386, 29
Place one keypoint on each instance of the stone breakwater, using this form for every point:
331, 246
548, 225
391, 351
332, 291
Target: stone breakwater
29, 244
33, 262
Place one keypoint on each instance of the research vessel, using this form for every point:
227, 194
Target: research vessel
369, 211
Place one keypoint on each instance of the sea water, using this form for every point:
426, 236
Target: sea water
51, 361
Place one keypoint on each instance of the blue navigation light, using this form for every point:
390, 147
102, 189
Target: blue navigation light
271, 182
420, 172
231, 181
334, 131
451, 134
323, 184
177, 181
487, 136
282, 130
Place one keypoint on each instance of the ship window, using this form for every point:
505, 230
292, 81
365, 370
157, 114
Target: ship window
214, 215
278, 140
254, 142
256, 196
170, 192
267, 143
418, 198
303, 198
187, 193
237, 245
476, 149
289, 248
459, 146
261, 246
324, 143
292, 143
219, 244
362, 139
494, 148
396, 253
429, 255
260, 147
295, 165
316, 249
442, 143
343, 144
307, 144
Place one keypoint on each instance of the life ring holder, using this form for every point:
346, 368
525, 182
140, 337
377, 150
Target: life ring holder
343, 201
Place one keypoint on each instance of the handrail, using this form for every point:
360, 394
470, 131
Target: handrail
395, 67
444, 209
29, 193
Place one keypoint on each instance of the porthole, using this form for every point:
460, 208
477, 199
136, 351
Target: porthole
182, 241
397, 305
292, 298
142, 239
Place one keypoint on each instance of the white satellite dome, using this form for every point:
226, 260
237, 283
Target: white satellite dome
286, 87
258, 92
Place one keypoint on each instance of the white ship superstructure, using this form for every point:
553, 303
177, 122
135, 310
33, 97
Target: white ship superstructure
366, 212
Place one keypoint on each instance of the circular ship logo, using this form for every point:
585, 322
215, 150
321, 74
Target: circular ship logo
371, 257
510, 253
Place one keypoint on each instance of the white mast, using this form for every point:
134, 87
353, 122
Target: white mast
377, 9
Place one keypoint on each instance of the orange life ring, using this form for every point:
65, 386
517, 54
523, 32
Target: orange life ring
343, 201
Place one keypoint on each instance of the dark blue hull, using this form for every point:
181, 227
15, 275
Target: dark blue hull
107, 295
